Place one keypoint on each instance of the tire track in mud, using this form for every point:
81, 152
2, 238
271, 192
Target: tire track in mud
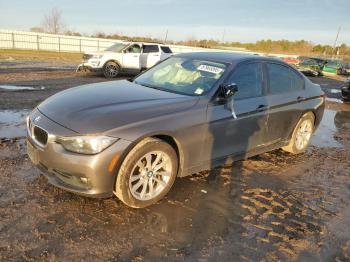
294, 220
279, 219
286, 219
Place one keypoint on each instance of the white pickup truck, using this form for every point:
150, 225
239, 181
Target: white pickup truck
129, 57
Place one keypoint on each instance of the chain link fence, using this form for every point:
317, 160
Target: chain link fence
50, 42
10, 39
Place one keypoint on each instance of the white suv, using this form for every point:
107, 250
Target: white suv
124, 57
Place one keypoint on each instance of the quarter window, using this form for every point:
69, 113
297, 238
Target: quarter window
283, 79
166, 49
248, 78
150, 49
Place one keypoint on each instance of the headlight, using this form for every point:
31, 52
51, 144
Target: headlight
86, 144
97, 56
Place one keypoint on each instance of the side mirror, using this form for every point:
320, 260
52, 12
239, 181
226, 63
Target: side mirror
228, 90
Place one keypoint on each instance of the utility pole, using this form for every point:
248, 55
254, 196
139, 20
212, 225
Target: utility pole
166, 36
335, 42
223, 36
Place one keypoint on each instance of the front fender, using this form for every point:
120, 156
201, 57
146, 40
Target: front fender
117, 58
187, 128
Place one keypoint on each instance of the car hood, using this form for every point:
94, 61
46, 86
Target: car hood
305, 67
101, 53
97, 108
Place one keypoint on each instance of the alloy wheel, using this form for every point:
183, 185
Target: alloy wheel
303, 134
112, 70
150, 176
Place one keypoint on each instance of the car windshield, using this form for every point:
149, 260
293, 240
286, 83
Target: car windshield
183, 75
116, 47
332, 64
309, 62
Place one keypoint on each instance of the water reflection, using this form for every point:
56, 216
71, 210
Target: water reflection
342, 120
324, 135
12, 123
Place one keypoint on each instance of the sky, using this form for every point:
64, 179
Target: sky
229, 20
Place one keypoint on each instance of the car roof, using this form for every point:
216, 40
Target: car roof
144, 43
227, 57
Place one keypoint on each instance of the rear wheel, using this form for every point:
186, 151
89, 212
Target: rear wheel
301, 135
111, 70
147, 173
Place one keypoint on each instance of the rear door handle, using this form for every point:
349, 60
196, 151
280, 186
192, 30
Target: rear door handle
261, 108
300, 98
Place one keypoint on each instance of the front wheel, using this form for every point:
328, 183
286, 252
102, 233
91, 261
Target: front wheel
147, 173
111, 70
301, 135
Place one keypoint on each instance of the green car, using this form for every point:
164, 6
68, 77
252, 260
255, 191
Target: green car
310, 67
334, 67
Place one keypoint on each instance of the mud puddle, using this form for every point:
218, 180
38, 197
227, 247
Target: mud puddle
20, 88
324, 135
335, 100
13, 123
10, 64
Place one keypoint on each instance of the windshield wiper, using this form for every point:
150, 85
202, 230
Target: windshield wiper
163, 89
150, 86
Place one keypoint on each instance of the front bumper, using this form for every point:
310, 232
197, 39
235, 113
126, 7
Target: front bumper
310, 72
345, 93
91, 66
88, 175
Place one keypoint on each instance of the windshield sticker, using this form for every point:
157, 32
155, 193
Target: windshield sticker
210, 69
199, 91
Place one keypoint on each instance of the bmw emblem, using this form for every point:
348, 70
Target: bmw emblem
37, 119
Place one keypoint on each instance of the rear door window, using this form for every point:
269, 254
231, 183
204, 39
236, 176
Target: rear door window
283, 79
150, 49
248, 78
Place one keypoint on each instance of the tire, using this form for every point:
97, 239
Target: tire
136, 177
301, 134
111, 70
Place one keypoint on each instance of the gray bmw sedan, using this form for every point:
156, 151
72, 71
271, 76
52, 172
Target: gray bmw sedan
191, 112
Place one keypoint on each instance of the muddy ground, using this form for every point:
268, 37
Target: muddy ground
271, 207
